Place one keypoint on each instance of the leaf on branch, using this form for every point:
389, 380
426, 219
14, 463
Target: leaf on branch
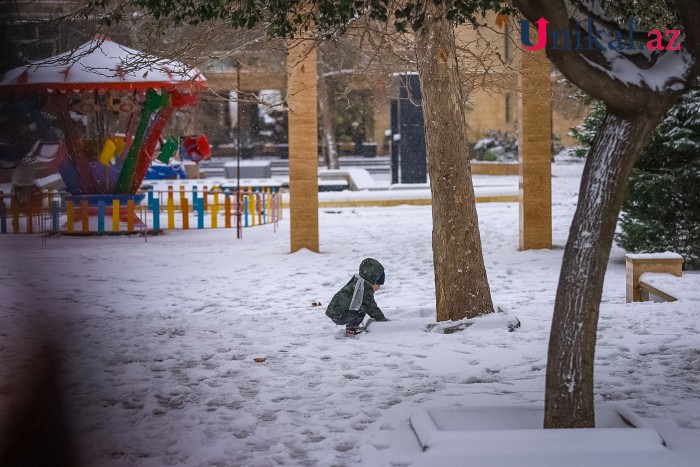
501, 20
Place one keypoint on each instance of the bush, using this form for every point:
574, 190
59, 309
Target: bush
585, 132
499, 146
662, 208
496, 146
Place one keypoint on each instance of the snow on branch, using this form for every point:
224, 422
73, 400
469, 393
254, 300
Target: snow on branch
657, 71
591, 7
596, 12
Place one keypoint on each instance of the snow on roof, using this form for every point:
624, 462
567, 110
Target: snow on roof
102, 64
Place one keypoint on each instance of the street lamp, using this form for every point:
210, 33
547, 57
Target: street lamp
239, 228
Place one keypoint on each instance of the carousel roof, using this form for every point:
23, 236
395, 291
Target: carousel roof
104, 65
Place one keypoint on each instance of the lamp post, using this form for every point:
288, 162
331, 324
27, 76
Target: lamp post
239, 228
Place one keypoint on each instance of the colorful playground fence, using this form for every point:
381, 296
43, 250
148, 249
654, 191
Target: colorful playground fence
155, 210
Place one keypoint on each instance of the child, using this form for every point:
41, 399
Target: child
356, 298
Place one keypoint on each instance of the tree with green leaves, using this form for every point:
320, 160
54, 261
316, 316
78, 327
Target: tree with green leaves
638, 86
661, 211
462, 288
585, 132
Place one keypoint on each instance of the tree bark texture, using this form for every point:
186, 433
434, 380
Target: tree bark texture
633, 112
613, 154
330, 151
461, 285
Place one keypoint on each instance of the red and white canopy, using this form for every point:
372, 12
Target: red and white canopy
102, 64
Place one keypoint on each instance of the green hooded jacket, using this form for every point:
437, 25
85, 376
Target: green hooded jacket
371, 271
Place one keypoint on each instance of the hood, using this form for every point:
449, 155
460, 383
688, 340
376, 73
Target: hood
371, 270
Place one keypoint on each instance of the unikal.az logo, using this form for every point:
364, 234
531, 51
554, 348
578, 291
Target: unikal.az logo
593, 38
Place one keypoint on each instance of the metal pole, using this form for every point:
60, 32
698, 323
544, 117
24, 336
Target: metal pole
239, 231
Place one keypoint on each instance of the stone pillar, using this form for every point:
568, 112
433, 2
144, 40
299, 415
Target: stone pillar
535, 151
303, 145
638, 264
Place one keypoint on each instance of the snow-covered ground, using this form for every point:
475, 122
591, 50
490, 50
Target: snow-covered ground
160, 339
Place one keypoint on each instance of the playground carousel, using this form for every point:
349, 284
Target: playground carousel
102, 108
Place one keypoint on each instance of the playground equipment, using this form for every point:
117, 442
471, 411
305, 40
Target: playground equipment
167, 166
197, 148
187, 208
111, 104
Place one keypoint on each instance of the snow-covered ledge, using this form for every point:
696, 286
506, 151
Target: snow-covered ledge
638, 264
513, 435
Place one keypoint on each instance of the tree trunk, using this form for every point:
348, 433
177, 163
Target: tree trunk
330, 151
613, 154
461, 285
634, 111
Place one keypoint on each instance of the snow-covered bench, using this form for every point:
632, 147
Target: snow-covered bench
357, 179
645, 269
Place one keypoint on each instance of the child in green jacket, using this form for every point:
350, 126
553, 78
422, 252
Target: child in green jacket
350, 304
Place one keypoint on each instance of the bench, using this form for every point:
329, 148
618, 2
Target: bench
638, 264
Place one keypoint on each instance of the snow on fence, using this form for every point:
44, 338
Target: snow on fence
155, 210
